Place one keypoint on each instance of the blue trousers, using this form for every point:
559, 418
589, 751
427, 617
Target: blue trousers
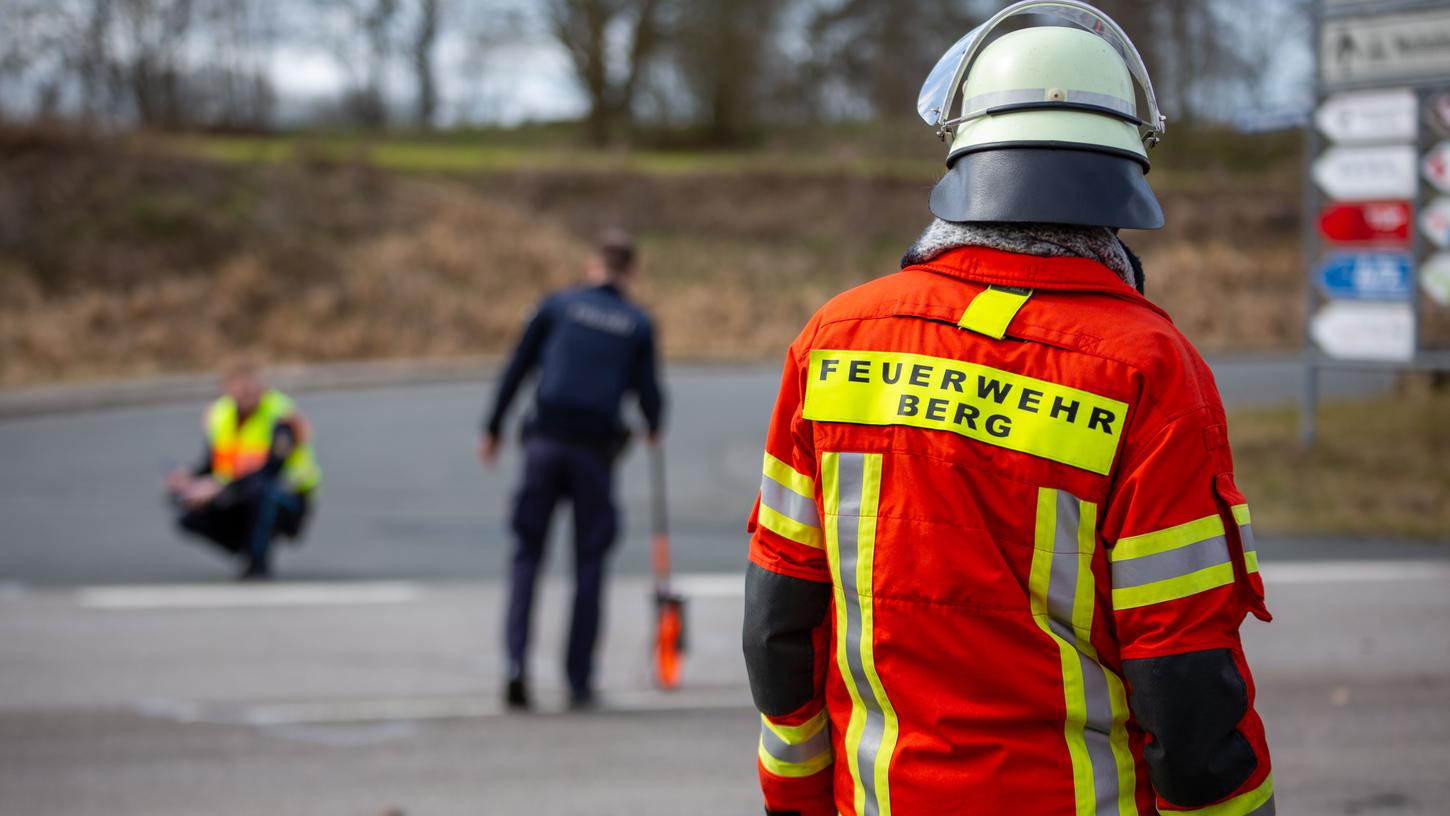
584, 476
245, 524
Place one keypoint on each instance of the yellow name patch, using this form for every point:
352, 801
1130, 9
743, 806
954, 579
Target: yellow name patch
989, 405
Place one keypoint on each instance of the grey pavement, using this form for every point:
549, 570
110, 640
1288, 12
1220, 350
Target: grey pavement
374, 698
80, 494
135, 679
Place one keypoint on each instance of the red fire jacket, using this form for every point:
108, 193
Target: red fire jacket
999, 561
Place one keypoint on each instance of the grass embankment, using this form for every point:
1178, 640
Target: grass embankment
140, 255
1379, 468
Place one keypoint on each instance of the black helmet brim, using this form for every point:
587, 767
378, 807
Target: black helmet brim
1047, 184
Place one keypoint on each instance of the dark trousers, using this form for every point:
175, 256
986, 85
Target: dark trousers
555, 470
245, 525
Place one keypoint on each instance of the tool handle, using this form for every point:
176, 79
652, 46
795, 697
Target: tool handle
659, 520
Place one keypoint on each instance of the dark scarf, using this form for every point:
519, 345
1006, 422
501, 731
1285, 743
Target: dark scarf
1044, 240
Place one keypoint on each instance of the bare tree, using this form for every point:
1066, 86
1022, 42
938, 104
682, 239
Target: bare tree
880, 49
584, 28
723, 50
425, 41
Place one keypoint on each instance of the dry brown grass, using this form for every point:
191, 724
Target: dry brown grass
1380, 467
117, 262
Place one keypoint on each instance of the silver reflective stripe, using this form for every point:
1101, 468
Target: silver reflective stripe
817, 744
1062, 588
1174, 563
788, 503
1025, 96
851, 480
1246, 535
1097, 701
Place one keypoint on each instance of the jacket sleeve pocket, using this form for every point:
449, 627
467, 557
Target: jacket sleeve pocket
1239, 533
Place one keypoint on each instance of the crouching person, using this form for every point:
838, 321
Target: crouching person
257, 476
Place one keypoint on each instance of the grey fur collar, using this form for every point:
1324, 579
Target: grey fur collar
1044, 240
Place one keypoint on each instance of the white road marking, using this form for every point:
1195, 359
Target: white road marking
704, 585
414, 709
230, 596
709, 585
1365, 571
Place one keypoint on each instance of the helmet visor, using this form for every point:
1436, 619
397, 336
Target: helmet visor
934, 103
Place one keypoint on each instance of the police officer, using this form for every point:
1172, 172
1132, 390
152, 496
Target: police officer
257, 475
999, 560
591, 345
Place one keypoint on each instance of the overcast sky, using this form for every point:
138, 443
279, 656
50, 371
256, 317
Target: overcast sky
527, 76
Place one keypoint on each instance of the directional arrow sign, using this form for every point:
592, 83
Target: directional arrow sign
1365, 331
1366, 275
1435, 278
1366, 221
1435, 222
1362, 173
1436, 166
1357, 117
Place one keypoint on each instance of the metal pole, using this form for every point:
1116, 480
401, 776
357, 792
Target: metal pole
1309, 399
1309, 405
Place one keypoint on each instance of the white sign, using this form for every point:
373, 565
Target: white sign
1357, 117
1385, 48
1435, 277
1436, 166
1365, 331
1435, 222
1360, 173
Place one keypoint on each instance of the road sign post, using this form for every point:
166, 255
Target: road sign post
1376, 188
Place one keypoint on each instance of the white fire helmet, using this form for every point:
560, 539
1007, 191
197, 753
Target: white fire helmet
1049, 127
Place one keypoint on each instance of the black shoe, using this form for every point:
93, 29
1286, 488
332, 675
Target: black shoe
256, 570
582, 700
517, 695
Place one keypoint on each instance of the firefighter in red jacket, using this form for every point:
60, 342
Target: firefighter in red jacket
999, 561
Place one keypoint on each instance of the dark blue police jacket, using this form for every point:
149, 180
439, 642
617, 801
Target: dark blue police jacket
591, 345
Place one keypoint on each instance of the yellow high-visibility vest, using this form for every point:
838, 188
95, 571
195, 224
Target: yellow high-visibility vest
239, 450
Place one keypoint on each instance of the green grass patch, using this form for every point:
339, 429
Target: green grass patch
1380, 467
417, 154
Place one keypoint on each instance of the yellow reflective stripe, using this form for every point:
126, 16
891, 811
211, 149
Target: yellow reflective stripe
870, 505
1244, 804
988, 405
788, 527
1251, 560
1164, 540
793, 770
1082, 598
992, 311
1095, 699
796, 734
1174, 588
851, 488
831, 495
789, 476
1122, 754
1039, 579
1241, 514
790, 740
1082, 621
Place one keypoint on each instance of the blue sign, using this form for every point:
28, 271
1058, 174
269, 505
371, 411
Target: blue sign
1366, 275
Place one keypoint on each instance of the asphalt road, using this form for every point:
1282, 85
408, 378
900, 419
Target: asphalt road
80, 498
376, 698
134, 679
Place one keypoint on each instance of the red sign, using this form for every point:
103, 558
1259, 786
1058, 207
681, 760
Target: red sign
1366, 221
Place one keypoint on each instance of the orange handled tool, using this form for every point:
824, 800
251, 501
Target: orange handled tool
669, 647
